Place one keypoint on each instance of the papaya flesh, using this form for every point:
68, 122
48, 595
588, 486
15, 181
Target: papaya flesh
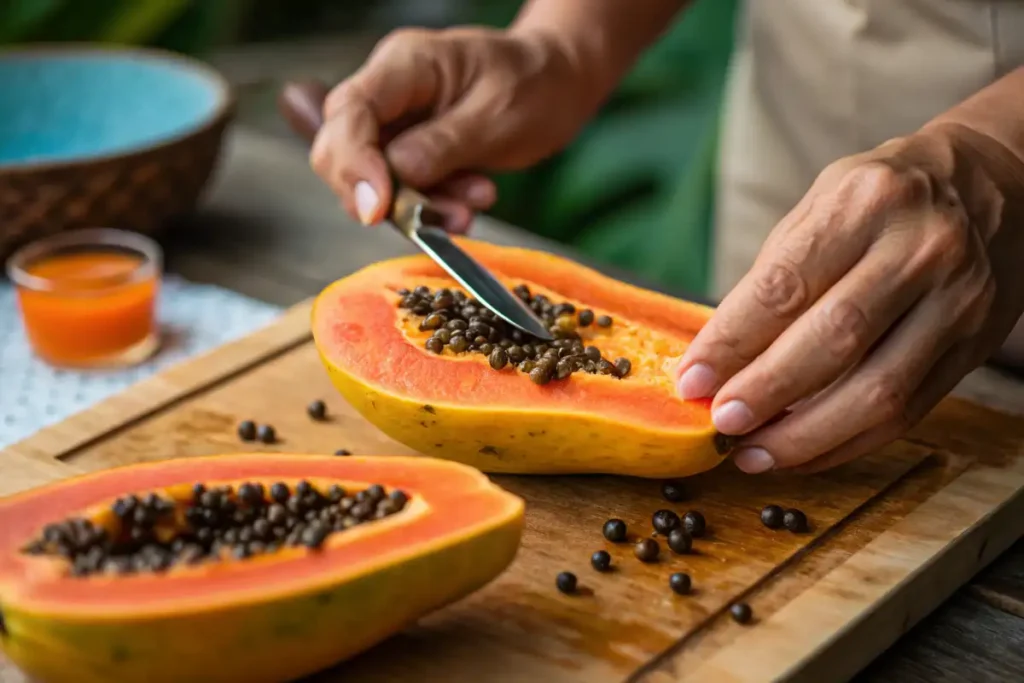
273, 616
457, 406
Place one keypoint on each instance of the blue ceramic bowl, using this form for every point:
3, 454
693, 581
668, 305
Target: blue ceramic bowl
103, 137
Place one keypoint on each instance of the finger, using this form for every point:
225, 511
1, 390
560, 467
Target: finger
396, 82
476, 191
874, 393
456, 214
944, 376
807, 253
428, 153
833, 335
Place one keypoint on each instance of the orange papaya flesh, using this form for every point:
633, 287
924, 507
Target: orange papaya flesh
456, 406
268, 618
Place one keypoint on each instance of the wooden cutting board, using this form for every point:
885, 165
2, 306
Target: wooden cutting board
893, 535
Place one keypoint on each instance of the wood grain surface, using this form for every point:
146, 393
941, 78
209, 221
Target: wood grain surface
892, 535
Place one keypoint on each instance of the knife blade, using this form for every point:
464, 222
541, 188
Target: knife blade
412, 215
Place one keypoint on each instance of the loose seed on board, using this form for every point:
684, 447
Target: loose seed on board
317, 410
247, 430
795, 521
680, 583
664, 521
566, 582
266, 434
647, 550
741, 612
680, 541
694, 523
601, 561
615, 530
343, 451
772, 517
673, 491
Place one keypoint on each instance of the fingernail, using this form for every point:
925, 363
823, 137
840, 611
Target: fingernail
734, 417
753, 460
697, 382
366, 201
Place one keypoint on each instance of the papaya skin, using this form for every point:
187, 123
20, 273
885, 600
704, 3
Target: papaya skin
289, 635
527, 442
597, 425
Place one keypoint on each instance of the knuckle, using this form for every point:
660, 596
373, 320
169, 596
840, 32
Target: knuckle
780, 289
338, 98
399, 40
947, 241
842, 329
888, 186
888, 396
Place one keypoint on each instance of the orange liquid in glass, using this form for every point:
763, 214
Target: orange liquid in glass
94, 314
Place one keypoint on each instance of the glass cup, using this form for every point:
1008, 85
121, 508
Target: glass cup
88, 297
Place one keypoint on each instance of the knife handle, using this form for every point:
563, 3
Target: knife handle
301, 103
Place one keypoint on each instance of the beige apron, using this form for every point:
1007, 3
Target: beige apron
816, 80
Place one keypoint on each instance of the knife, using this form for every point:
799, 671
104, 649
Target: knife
410, 212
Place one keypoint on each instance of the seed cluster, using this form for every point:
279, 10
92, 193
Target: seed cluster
462, 325
214, 524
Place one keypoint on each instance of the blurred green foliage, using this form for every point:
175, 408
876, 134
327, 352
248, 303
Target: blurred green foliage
183, 25
636, 188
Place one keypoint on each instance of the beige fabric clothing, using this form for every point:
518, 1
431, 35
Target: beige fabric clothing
816, 80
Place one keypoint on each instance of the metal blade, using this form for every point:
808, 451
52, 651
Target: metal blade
436, 243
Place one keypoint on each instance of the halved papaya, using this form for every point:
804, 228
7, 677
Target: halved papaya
377, 335
109, 576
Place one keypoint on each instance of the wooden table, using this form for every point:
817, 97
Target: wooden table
269, 229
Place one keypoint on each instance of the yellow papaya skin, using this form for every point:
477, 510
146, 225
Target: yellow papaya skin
528, 442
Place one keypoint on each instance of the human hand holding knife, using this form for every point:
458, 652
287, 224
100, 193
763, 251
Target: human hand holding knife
413, 215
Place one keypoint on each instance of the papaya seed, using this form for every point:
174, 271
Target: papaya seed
741, 612
266, 434
317, 410
647, 550
694, 523
247, 430
615, 530
795, 521
680, 583
566, 582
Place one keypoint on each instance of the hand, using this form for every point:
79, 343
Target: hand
900, 271
443, 106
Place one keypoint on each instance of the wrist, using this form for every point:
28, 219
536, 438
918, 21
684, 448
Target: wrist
588, 58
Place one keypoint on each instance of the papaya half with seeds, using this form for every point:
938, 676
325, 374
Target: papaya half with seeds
378, 337
306, 561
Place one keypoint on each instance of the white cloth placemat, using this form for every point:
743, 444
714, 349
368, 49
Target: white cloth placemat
194, 318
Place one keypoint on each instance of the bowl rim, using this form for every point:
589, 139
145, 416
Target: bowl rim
223, 109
